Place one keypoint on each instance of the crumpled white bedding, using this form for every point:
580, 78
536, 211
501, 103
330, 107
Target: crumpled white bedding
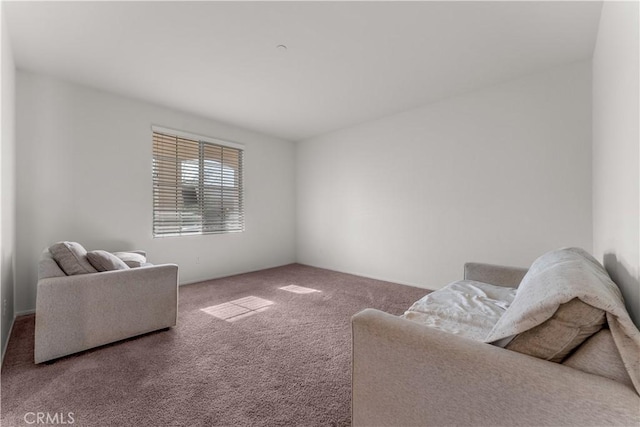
466, 308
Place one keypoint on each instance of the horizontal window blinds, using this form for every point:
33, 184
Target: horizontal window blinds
197, 186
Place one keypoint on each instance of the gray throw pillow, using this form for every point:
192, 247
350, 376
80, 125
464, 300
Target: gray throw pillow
132, 259
572, 324
557, 305
105, 261
72, 258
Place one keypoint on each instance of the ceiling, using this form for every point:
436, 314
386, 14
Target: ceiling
345, 62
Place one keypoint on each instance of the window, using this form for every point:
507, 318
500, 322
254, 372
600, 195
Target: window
197, 185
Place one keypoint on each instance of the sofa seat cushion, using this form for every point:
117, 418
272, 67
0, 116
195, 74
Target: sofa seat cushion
72, 258
105, 261
466, 308
600, 356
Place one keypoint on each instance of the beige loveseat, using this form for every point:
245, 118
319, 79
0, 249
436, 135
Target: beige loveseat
79, 312
407, 374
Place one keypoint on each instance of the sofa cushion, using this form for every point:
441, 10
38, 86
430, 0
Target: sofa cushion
48, 267
553, 340
549, 316
132, 259
72, 258
105, 261
600, 356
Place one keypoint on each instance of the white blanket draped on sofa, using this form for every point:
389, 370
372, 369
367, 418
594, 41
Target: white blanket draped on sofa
466, 308
558, 277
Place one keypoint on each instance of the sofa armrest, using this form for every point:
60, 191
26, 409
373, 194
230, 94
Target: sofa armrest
408, 374
498, 275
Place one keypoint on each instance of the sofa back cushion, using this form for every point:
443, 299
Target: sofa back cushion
72, 258
549, 317
553, 340
105, 261
132, 259
600, 356
47, 267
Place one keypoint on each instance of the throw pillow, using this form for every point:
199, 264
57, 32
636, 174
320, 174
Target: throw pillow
560, 303
72, 258
132, 259
554, 339
105, 261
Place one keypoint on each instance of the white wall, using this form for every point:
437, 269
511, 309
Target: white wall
7, 183
84, 174
499, 175
616, 177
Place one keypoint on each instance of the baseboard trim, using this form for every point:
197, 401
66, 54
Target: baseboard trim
6, 343
25, 312
222, 276
372, 277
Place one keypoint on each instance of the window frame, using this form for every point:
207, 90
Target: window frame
201, 140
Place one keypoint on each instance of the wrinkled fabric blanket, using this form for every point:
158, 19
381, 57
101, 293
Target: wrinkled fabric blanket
466, 308
556, 278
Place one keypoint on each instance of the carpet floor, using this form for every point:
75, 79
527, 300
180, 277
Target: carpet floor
244, 353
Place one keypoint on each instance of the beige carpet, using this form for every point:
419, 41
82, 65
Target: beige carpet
245, 353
